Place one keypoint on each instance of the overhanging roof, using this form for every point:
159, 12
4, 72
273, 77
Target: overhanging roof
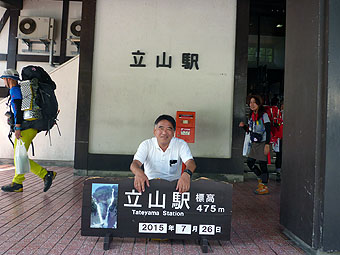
11, 4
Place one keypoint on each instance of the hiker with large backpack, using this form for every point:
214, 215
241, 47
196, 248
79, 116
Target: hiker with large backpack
25, 134
258, 128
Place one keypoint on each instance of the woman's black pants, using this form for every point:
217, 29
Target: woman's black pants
261, 172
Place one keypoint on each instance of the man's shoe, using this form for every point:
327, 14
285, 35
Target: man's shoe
13, 187
49, 177
262, 189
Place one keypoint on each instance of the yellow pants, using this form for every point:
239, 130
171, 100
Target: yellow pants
27, 137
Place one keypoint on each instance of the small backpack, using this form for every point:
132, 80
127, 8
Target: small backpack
275, 117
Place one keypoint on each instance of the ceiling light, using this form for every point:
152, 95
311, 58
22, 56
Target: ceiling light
279, 25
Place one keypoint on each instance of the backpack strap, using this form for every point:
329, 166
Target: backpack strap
271, 112
10, 137
50, 125
32, 148
8, 104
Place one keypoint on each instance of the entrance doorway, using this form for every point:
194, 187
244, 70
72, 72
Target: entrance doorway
266, 62
266, 50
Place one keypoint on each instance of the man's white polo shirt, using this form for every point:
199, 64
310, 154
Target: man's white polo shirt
165, 165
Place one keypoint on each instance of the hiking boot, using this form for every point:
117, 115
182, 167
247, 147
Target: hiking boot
262, 189
13, 187
49, 177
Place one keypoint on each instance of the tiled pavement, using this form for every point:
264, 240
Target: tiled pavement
34, 222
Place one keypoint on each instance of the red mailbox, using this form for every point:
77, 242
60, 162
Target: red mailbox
185, 126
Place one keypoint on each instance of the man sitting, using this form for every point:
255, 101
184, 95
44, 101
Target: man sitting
162, 157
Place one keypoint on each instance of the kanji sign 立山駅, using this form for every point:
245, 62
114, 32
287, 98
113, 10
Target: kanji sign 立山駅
115, 207
189, 60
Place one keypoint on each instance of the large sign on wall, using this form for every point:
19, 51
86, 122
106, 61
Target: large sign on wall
114, 207
157, 56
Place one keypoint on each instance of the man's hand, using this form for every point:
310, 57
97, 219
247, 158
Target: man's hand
140, 180
183, 184
17, 134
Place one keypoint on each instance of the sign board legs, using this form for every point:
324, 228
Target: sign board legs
204, 245
107, 241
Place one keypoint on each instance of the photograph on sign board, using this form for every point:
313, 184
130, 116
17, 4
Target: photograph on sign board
104, 203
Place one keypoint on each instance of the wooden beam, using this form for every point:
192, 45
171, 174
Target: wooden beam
4, 19
64, 24
3, 57
38, 58
11, 4
85, 85
12, 40
3, 92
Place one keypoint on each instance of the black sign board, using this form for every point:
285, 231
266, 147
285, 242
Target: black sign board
113, 207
